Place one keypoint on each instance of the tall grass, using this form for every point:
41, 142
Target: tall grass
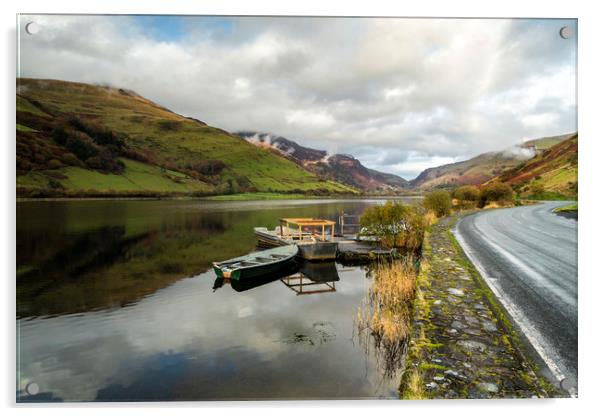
430, 218
384, 317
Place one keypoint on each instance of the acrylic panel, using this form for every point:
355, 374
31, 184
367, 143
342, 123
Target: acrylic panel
291, 208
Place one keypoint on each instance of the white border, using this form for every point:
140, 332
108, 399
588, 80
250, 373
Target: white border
589, 225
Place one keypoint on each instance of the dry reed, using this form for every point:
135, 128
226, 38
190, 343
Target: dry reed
385, 315
430, 218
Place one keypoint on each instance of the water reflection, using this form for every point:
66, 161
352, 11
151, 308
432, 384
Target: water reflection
86, 255
313, 278
117, 301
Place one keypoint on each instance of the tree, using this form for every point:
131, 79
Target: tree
439, 202
467, 193
496, 191
394, 224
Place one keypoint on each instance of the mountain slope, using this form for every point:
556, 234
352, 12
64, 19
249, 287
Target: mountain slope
553, 171
78, 139
483, 167
474, 171
547, 142
339, 167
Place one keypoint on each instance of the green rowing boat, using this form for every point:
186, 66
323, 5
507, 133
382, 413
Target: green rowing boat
258, 263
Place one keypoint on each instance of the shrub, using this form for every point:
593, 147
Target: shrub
101, 135
537, 188
104, 162
496, 191
23, 164
394, 224
55, 175
54, 164
141, 155
467, 193
208, 167
60, 135
439, 202
71, 160
54, 184
81, 145
169, 125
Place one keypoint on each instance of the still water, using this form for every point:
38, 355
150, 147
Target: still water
116, 301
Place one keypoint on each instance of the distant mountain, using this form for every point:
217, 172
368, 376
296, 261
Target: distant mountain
553, 170
483, 167
338, 167
76, 139
474, 171
389, 179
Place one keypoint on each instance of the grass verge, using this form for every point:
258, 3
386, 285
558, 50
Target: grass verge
501, 314
412, 381
567, 208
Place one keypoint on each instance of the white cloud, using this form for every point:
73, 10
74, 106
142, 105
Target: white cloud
443, 88
417, 162
319, 118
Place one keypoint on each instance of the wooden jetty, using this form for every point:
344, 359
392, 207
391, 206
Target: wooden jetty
309, 234
318, 241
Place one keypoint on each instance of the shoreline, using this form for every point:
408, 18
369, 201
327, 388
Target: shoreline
214, 198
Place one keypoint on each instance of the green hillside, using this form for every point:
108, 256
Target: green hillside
547, 142
487, 166
77, 139
550, 174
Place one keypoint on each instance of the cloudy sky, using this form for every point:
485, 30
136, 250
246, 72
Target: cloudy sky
401, 95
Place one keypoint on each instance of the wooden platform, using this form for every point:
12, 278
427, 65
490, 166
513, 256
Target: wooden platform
357, 251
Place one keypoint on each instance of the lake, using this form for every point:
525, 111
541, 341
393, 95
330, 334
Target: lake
117, 301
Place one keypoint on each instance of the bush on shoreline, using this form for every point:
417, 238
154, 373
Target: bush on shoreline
496, 192
395, 225
439, 202
467, 196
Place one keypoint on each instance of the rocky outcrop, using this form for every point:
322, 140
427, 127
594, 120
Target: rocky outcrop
338, 167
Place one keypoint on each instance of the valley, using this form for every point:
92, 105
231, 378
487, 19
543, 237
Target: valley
81, 140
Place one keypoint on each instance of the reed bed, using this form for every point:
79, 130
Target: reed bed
385, 314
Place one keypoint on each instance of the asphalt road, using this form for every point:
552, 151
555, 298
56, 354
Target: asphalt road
528, 256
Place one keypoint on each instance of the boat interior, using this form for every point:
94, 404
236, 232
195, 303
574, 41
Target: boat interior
255, 261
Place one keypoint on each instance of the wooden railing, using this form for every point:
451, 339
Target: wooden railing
349, 223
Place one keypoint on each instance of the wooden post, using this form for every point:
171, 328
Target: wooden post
332, 226
323, 236
300, 233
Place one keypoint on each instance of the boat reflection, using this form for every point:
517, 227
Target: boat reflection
302, 277
248, 284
